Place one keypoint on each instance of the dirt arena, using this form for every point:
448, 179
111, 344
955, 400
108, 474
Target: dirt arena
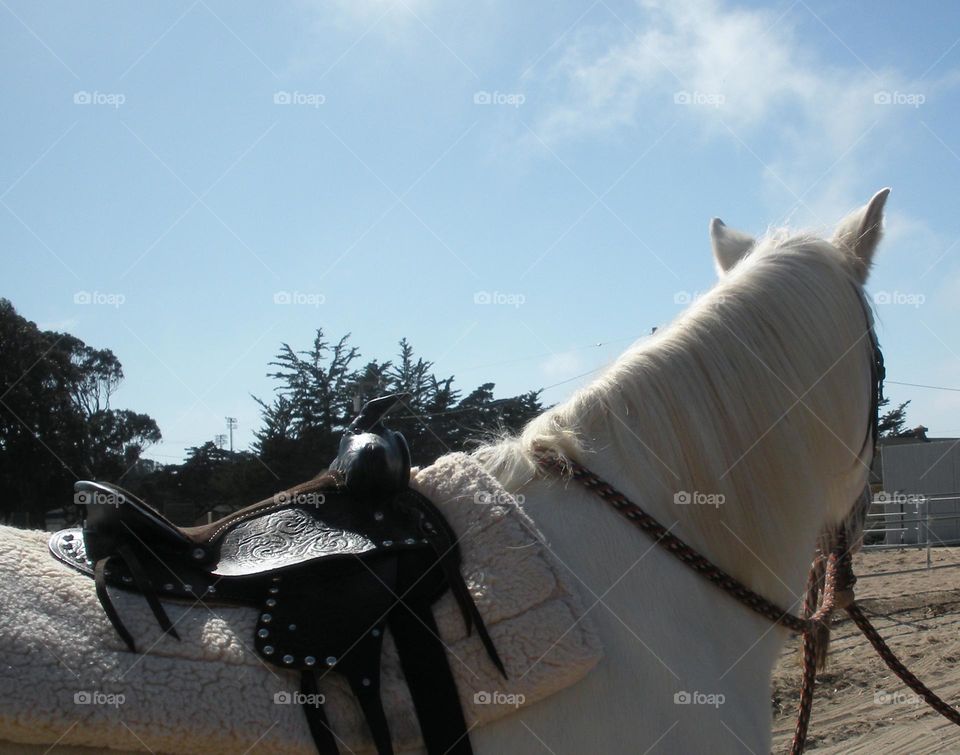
860, 706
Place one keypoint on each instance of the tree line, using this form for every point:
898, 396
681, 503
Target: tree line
57, 424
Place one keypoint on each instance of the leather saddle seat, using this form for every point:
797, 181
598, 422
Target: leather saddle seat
329, 566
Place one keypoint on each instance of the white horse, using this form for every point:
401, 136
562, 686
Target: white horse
759, 396
744, 427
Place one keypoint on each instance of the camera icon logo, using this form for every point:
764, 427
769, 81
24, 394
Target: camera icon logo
82, 698
281, 98
682, 98
282, 698
482, 698
82, 297
482, 98
482, 297
282, 297
882, 97
81, 98
682, 497
682, 698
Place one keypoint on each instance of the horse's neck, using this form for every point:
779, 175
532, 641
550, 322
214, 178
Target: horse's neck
763, 533
664, 631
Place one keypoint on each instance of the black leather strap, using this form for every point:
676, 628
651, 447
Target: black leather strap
145, 586
316, 716
434, 692
99, 578
368, 695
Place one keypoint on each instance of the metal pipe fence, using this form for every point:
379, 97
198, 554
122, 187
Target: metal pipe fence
912, 520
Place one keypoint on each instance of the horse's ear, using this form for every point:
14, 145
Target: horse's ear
729, 246
859, 232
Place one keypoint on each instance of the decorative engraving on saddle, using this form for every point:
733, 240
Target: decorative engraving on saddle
285, 538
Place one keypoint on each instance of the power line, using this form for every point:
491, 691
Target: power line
921, 385
543, 355
575, 377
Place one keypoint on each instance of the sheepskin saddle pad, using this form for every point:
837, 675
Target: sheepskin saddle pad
69, 677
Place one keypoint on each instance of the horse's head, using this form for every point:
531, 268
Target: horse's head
854, 241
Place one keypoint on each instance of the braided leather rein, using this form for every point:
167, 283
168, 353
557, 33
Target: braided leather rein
837, 593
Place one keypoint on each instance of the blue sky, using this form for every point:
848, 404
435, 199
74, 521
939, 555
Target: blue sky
173, 174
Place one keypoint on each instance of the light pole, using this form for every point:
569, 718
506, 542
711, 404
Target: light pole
231, 426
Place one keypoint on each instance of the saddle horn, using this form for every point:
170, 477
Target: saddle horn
372, 459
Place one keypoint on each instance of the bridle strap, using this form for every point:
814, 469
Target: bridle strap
837, 593
549, 459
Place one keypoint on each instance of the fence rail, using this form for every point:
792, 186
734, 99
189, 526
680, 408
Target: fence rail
911, 520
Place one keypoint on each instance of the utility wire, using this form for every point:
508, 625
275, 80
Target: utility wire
921, 385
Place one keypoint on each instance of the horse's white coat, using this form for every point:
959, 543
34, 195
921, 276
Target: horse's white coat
760, 393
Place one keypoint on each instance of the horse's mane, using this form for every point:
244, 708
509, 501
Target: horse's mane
710, 403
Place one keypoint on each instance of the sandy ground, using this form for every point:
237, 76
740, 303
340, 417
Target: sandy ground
862, 707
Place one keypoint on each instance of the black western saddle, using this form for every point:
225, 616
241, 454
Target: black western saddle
330, 564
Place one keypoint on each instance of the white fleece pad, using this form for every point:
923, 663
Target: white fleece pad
66, 677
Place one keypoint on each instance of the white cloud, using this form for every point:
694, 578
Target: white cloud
745, 75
